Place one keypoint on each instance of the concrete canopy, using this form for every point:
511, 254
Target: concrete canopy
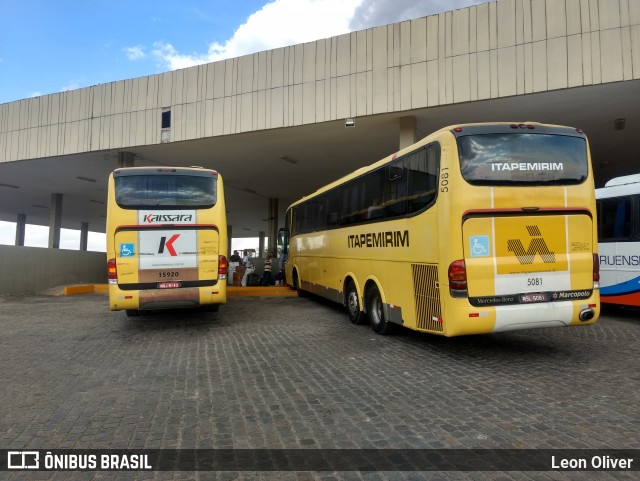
289, 163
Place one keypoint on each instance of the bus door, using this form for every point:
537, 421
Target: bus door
167, 262
523, 259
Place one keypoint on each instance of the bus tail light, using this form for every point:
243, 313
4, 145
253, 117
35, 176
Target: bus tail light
458, 279
223, 266
596, 271
112, 272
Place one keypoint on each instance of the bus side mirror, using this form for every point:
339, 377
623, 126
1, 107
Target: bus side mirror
283, 240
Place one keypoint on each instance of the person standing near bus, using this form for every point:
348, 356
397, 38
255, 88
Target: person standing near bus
267, 278
250, 268
234, 261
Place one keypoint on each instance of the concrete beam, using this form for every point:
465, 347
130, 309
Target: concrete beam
126, 159
55, 221
84, 236
408, 131
21, 224
272, 228
261, 237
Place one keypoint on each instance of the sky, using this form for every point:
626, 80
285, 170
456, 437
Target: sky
52, 46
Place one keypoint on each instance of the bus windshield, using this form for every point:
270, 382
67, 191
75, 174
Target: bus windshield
174, 191
523, 158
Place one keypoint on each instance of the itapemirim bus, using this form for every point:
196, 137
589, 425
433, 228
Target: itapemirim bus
476, 228
618, 205
166, 239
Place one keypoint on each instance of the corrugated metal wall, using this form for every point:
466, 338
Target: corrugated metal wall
492, 50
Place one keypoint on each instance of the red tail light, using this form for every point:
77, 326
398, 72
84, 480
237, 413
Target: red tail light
596, 268
112, 272
223, 266
458, 278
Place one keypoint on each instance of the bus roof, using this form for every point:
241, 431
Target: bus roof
624, 180
149, 170
620, 186
451, 129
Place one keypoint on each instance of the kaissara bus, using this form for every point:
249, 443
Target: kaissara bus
619, 240
166, 239
476, 228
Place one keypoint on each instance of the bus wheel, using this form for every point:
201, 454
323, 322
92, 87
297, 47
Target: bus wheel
356, 316
296, 285
132, 312
376, 313
212, 307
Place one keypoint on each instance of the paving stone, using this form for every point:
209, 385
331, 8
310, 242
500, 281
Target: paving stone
294, 373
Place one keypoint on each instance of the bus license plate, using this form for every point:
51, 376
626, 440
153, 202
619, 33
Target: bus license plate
534, 297
169, 285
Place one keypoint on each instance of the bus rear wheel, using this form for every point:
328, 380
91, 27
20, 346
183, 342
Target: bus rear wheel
376, 312
356, 316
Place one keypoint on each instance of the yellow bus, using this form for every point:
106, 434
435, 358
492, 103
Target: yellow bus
474, 229
166, 239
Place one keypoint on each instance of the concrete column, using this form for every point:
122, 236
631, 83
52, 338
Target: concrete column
126, 159
272, 230
84, 235
229, 240
21, 224
55, 221
407, 131
261, 244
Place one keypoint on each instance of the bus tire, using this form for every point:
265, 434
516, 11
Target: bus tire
352, 303
376, 312
132, 312
212, 307
296, 285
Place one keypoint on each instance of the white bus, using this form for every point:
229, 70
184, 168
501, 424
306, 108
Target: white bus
619, 240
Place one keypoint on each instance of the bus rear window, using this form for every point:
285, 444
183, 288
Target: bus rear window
523, 158
165, 191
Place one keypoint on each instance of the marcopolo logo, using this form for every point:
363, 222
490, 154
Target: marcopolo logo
536, 246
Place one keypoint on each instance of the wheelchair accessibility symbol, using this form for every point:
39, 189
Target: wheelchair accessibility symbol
127, 250
479, 246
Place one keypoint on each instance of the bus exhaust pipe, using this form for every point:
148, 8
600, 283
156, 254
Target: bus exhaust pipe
586, 315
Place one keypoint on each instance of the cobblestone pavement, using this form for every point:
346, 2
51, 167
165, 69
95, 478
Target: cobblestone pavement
294, 373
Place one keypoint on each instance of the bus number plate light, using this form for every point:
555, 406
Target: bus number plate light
169, 285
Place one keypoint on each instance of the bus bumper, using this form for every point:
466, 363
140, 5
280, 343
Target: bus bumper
462, 318
166, 298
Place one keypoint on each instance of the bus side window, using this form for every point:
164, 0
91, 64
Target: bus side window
423, 177
373, 185
395, 195
296, 220
615, 218
350, 203
333, 208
